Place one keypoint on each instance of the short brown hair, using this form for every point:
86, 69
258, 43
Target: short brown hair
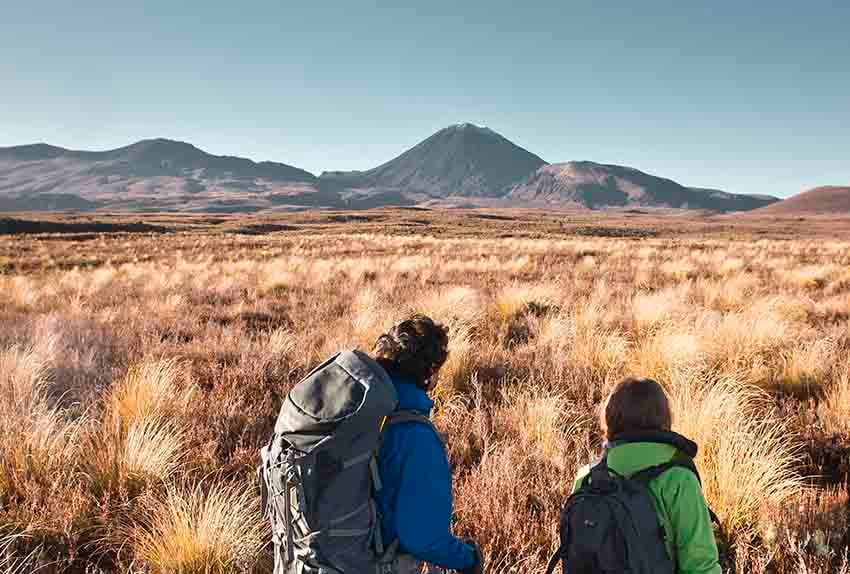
635, 405
417, 348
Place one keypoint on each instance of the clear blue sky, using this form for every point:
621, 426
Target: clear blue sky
741, 95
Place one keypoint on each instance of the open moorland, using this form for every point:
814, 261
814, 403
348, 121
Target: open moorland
142, 366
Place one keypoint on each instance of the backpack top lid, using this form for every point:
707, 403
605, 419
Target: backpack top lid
337, 388
348, 389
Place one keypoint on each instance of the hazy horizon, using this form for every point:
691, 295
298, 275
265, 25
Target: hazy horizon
746, 98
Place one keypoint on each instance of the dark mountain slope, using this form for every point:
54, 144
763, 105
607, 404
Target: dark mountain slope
462, 160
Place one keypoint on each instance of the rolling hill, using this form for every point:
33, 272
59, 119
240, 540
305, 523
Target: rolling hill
150, 174
827, 200
594, 185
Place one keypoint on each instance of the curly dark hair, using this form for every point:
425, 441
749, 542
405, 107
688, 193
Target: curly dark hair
416, 347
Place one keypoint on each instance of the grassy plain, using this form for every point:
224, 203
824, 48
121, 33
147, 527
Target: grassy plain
140, 372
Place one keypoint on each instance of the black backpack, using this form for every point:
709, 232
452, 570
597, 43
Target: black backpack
610, 526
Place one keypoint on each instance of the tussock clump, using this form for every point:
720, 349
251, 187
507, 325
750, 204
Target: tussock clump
597, 351
729, 294
40, 450
458, 307
665, 353
209, 528
153, 388
456, 374
126, 456
23, 376
519, 299
809, 276
651, 309
370, 317
806, 367
39, 455
746, 343
140, 439
834, 409
541, 421
747, 457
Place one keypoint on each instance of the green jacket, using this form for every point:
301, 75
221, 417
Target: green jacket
678, 500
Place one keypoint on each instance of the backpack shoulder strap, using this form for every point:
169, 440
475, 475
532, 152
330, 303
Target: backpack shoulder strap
399, 417
678, 461
553, 562
408, 417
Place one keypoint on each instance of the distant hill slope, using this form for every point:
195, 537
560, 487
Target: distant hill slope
463, 160
594, 185
150, 174
827, 200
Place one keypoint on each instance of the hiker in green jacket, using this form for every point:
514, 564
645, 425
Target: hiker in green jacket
636, 419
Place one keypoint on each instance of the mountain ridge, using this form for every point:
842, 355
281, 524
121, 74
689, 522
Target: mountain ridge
463, 164
148, 150
161, 174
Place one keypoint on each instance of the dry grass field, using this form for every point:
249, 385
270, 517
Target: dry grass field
140, 373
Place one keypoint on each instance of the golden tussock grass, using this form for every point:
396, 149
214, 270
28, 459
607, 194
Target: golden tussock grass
747, 458
835, 407
23, 376
458, 369
206, 528
150, 389
139, 377
126, 456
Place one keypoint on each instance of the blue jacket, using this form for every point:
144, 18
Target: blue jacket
416, 500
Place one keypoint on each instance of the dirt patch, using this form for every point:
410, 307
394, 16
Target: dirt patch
13, 226
494, 217
263, 228
350, 218
616, 232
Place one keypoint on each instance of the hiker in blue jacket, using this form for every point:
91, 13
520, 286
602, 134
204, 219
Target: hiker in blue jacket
415, 502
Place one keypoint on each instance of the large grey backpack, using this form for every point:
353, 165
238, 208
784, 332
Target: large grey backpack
319, 471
